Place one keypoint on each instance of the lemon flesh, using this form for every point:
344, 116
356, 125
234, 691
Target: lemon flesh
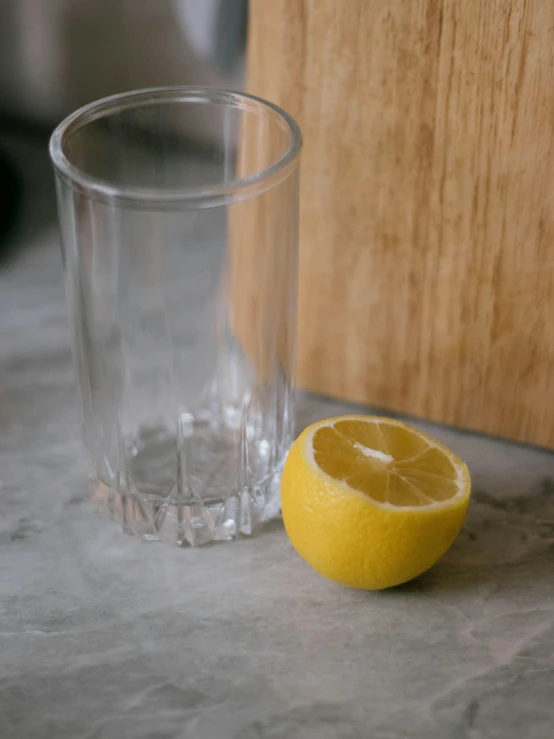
372, 502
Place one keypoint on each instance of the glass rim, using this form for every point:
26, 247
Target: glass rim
204, 196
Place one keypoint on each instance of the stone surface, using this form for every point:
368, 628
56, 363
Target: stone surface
106, 637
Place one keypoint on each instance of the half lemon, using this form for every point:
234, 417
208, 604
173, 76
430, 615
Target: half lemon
372, 502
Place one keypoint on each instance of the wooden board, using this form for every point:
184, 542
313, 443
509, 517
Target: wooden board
427, 201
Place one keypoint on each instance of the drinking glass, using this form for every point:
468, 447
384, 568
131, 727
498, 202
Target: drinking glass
178, 212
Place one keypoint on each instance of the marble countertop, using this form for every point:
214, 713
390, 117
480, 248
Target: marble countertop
106, 637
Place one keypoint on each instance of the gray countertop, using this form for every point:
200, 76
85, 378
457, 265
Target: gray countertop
106, 637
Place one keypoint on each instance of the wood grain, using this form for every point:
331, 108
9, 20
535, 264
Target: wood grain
427, 214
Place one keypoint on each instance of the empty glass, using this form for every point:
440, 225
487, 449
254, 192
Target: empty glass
178, 211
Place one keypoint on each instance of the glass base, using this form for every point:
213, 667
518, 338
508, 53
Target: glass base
203, 481
183, 523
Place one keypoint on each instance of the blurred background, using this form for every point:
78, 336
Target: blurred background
58, 55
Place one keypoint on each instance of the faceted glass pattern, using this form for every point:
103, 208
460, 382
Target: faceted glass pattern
179, 222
